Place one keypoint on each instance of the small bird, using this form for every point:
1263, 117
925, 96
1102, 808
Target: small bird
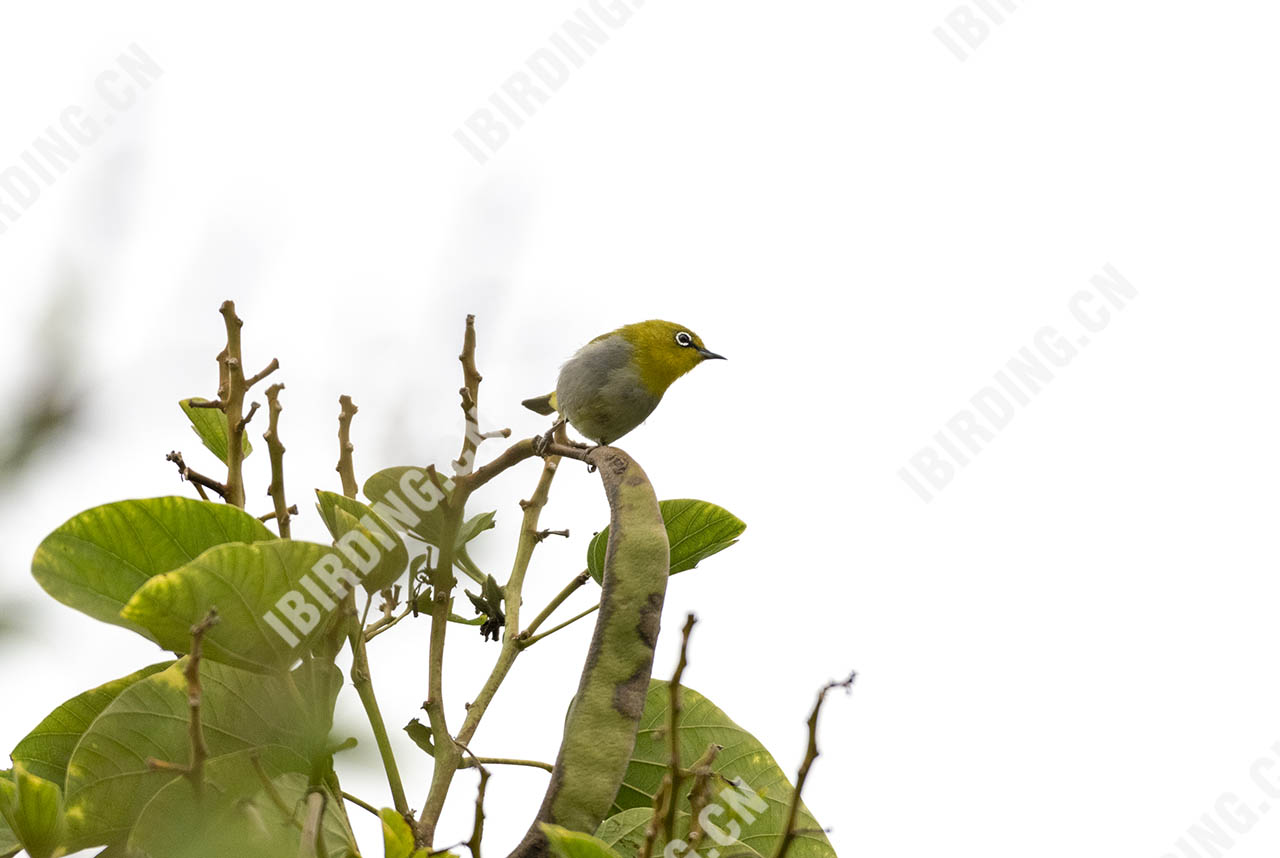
615, 381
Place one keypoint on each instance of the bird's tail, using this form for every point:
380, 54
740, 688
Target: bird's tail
542, 404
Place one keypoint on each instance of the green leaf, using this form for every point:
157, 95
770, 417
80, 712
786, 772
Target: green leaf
8, 840
476, 525
421, 736
407, 499
46, 749
625, 833
245, 582
238, 814
696, 530
108, 779
342, 515
97, 559
32, 807
575, 844
758, 808
211, 425
397, 836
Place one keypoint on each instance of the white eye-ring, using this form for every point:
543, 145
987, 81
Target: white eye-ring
684, 339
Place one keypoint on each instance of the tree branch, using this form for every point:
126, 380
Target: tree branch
556, 601
266, 371
665, 802
231, 392
194, 770
293, 510
700, 794
477, 828
197, 479
475, 762
811, 754
345, 469
470, 396
311, 846
276, 450
525, 644
447, 757
362, 679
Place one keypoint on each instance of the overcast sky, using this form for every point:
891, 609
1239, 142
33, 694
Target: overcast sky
1056, 579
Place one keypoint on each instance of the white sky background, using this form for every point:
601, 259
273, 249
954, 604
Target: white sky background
1070, 650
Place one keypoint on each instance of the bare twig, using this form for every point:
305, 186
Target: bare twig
811, 754
199, 750
197, 479
266, 371
360, 803
194, 769
231, 392
551, 631
701, 793
556, 601
276, 450
470, 397
293, 510
244, 421
665, 802
363, 682
345, 469
543, 534
477, 828
475, 762
376, 628
311, 844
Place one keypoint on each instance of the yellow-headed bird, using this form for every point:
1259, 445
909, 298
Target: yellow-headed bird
615, 381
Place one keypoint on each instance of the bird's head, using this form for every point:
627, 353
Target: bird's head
664, 351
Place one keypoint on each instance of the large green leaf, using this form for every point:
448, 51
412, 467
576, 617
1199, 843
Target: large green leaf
8, 840
96, 560
237, 815
743, 757
342, 515
46, 749
406, 498
244, 582
32, 807
695, 529
211, 425
575, 844
625, 833
109, 781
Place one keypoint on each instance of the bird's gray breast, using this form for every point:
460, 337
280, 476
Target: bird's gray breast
599, 390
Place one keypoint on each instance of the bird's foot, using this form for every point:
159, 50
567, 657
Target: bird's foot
540, 444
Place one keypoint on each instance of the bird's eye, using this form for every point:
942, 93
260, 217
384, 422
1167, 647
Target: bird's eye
684, 339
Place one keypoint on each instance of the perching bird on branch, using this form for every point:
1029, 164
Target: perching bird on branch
615, 381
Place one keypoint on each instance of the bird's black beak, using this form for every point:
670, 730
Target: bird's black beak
707, 354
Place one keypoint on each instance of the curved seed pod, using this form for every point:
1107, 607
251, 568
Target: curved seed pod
604, 717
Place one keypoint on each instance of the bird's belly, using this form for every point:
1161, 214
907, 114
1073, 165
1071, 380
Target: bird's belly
604, 407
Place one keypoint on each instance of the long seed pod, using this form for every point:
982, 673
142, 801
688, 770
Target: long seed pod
600, 729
